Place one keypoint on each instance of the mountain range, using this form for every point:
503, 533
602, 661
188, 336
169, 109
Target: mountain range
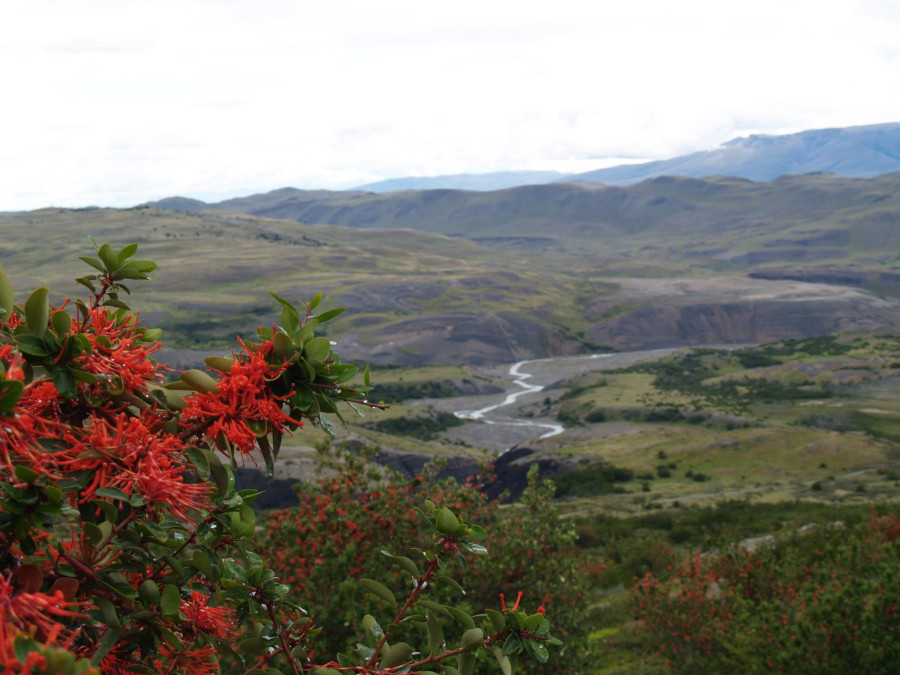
463, 276
861, 152
853, 152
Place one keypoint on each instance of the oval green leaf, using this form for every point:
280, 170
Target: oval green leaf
37, 311
378, 589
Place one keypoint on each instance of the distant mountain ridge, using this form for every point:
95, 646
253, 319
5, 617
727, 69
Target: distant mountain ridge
499, 180
853, 152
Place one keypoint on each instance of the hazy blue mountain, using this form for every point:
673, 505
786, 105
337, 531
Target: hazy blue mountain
859, 152
499, 180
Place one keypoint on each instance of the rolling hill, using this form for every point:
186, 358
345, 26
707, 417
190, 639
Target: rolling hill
493, 277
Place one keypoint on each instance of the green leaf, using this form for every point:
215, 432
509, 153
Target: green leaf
511, 645
461, 617
6, 296
378, 589
282, 345
223, 364
404, 562
498, 621
110, 615
533, 622
10, 393
450, 581
87, 282
109, 510
252, 644
201, 464
23, 646
112, 493
373, 631
142, 266
435, 632
199, 381
170, 600
84, 376
315, 301
477, 532
128, 251
330, 314
23, 473
471, 638
128, 273
290, 320
223, 477
31, 345
152, 334
37, 311
447, 522
537, 650
317, 349
107, 642
396, 655
200, 560
93, 262
149, 592
266, 451
64, 381
344, 373
466, 663
435, 607
502, 660
109, 257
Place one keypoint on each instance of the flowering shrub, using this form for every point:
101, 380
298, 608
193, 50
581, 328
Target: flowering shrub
323, 546
124, 547
826, 603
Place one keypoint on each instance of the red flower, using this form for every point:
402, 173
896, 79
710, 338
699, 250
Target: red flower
33, 614
125, 454
243, 397
215, 621
118, 352
195, 661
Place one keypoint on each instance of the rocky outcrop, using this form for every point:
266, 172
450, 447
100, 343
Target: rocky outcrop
650, 314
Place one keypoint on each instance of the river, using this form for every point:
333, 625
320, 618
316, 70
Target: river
496, 421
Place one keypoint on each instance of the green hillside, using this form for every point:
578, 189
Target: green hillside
548, 270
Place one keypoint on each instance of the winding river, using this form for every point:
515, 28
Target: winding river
519, 378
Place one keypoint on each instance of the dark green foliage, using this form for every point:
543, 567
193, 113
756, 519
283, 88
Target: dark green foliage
425, 427
596, 416
712, 525
878, 426
594, 480
395, 392
822, 600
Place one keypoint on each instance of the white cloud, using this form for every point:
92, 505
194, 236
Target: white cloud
111, 102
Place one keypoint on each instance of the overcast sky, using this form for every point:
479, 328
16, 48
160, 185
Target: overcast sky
117, 102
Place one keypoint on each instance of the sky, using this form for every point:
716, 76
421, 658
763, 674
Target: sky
117, 102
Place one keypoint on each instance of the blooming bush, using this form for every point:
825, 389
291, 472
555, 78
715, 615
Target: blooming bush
124, 547
824, 603
323, 546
